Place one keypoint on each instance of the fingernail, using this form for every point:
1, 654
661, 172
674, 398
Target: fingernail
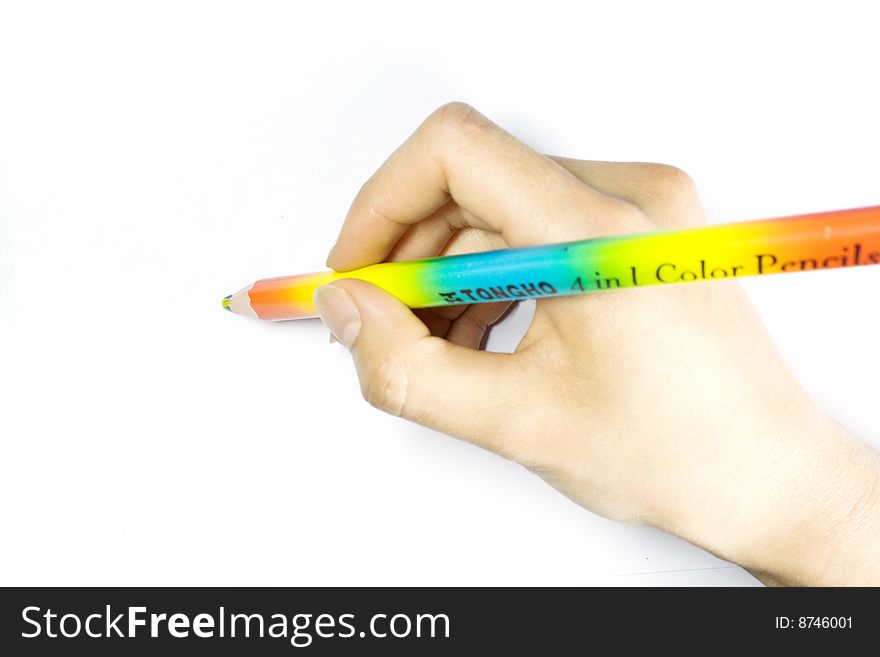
339, 312
330, 255
333, 339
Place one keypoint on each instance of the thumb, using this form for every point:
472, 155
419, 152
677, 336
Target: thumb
405, 371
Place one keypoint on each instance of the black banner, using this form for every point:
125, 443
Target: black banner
422, 621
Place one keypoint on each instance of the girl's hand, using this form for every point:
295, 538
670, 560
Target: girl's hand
668, 406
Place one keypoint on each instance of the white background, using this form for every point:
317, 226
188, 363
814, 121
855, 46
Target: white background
157, 156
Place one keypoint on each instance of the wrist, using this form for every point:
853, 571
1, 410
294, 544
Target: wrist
800, 506
821, 526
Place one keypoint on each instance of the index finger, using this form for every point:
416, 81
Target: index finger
499, 183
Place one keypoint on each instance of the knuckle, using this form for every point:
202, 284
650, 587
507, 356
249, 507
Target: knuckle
670, 196
385, 386
671, 179
459, 117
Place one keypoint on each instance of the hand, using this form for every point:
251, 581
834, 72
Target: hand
668, 406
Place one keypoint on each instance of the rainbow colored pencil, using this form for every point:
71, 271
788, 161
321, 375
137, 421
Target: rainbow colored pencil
824, 240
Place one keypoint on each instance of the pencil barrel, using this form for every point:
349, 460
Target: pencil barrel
813, 242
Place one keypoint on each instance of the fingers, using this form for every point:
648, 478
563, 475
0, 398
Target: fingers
498, 183
469, 324
472, 327
665, 193
438, 235
465, 325
406, 372
428, 237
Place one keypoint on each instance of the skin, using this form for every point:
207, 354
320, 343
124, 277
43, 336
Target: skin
669, 407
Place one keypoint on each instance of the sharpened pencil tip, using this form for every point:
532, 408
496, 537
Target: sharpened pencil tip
240, 303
